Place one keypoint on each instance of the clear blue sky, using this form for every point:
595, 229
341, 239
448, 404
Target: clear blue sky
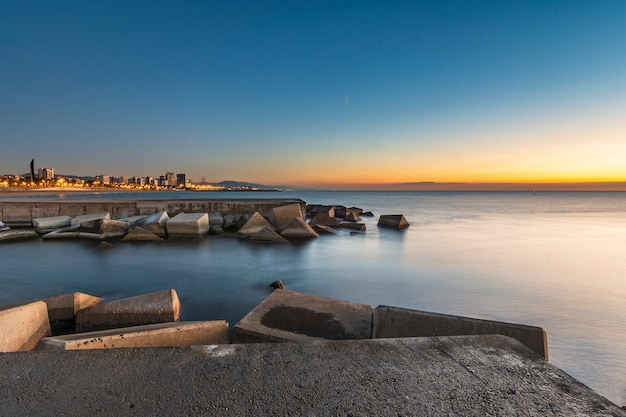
316, 92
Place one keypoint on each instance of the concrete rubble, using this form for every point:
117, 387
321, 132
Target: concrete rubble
255, 224
298, 229
155, 223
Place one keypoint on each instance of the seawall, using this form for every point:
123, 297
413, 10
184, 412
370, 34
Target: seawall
20, 212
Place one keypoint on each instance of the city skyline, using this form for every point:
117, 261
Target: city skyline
334, 95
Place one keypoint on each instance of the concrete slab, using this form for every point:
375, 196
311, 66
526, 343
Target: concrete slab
288, 316
139, 234
281, 217
89, 217
394, 322
13, 235
22, 327
152, 335
157, 307
105, 228
298, 229
255, 224
267, 235
71, 232
353, 216
396, 221
448, 376
324, 219
188, 225
155, 223
361, 227
48, 224
316, 209
324, 229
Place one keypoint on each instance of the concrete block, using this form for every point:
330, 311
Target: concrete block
230, 222
216, 219
298, 229
188, 224
324, 219
255, 224
155, 223
16, 214
157, 307
340, 211
88, 217
391, 322
139, 234
4, 227
48, 224
22, 327
133, 219
396, 221
105, 228
353, 216
282, 216
182, 334
288, 316
324, 229
13, 235
71, 232
267, 235
314, 210
353, 226
62, 307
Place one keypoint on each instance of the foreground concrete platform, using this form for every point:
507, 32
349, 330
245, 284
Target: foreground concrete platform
447, 376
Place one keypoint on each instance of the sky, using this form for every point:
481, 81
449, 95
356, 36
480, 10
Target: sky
317, 94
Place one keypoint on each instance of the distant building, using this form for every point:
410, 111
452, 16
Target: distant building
170, 179
46, 173
162, 181
181, 180
103, 179
123, 180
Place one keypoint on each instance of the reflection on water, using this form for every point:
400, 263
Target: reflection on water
553, 260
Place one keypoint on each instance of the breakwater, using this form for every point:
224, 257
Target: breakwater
18, 212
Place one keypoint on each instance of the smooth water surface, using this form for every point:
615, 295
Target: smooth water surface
554, 260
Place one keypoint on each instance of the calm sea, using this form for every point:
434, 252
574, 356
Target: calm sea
555, 260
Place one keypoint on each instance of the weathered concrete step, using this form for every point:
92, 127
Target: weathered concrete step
157, 307
22, 327
152, 335
288, 316
446, 376
394, 322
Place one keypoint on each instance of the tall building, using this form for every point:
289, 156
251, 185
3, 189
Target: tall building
46, 173
170, 179
181, 180
123, 180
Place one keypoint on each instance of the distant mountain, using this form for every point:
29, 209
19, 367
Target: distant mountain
242, 184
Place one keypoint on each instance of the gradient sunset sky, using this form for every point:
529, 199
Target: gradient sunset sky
329, 94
